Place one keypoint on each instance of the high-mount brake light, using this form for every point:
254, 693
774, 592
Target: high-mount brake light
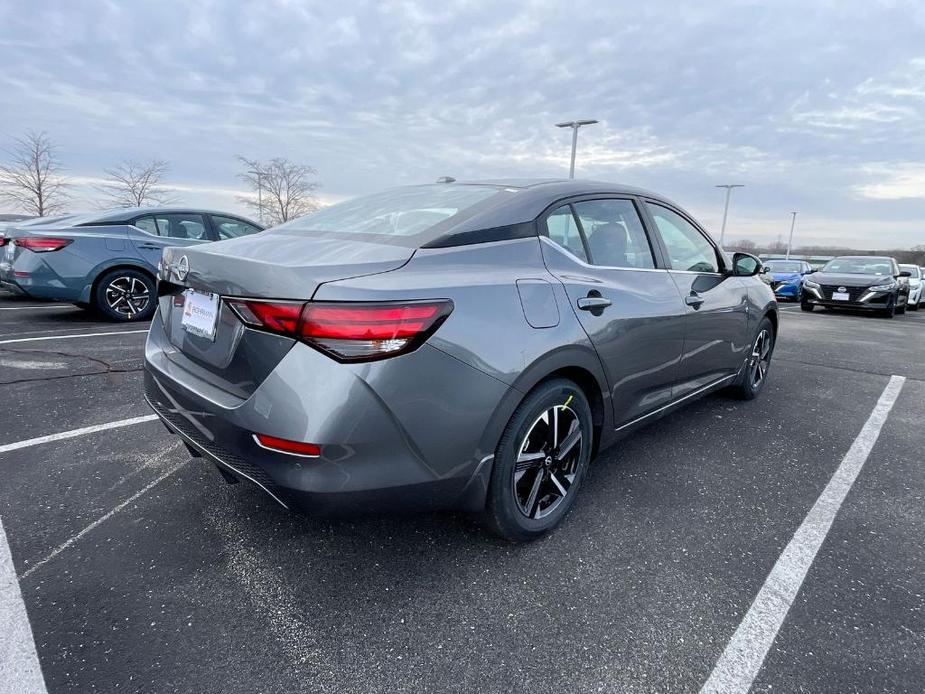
364, 331
348, 331
41, 244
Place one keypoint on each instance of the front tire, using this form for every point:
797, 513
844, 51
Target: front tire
806, 306
126, 296
540, 462
755, 370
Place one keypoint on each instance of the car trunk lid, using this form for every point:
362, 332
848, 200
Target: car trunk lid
269, 266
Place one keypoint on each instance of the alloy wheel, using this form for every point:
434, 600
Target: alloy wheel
127, 295
761, 357
547, 461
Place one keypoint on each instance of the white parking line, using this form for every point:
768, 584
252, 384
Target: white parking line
737, 667
70, 337
20, 671
102, 519
26, 308
5, 448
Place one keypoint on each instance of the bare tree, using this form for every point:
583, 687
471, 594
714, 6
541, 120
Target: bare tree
137, 184
283, 190
32, 180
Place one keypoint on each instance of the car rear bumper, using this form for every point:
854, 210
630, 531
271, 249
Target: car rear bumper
391, 439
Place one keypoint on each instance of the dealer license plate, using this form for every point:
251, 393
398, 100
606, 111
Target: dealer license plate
200, 313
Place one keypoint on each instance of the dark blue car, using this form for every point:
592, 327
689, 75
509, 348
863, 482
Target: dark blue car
787, 277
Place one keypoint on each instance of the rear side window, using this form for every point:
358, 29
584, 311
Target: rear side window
147, 225
614, 232
562, 228
182, 225
687, 248
231, 228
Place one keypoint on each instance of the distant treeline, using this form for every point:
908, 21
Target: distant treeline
914, 255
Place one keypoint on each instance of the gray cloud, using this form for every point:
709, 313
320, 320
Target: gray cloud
815, 108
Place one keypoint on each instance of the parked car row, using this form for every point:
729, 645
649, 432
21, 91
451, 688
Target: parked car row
868, 283
107, 261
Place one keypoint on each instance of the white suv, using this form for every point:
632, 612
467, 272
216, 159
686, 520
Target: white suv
916, 288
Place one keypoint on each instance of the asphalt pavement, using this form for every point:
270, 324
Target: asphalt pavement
142, 571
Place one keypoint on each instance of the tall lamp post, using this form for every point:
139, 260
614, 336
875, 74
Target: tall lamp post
574, 125
728, 187
793, 221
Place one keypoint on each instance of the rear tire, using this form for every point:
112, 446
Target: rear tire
125, 295
754, 372
540, 462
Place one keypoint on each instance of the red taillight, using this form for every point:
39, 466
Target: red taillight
41, 244
348, 331
365, 331
3, 240
275, 316
274, 443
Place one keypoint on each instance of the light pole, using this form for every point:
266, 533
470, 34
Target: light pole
728, 187
259, 174
793, 221
574, 125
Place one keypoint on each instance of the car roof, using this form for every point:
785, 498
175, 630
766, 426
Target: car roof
127, 213
527, 198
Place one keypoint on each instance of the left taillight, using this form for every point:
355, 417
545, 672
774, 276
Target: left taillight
41, 244
349, 331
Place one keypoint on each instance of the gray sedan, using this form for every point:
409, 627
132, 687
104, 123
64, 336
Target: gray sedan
106, 260
467, 346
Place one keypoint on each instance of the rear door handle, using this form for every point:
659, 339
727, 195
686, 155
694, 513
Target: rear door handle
593, 303
694, 300
150, 246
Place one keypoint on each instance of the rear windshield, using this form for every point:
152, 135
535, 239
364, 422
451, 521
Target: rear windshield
860, 266
783, 266
407, 216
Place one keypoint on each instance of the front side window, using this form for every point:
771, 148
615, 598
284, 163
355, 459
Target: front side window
687, 248
562, 228
231, 228
615, 235
182, 225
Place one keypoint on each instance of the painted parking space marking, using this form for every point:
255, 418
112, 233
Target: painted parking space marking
20, 671
73, 433
30, 308
99, 521
737, 667
70, 337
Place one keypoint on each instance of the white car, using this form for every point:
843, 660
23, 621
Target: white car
916, 289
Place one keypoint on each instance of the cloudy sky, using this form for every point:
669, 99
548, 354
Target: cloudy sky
816, 106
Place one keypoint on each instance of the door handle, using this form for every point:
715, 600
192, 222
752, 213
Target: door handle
693, 299
593, 303
150, 246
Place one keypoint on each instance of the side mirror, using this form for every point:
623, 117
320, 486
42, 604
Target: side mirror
811, 271
745, 265
905, 273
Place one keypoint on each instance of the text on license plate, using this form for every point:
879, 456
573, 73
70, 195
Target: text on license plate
200, 313
840, 296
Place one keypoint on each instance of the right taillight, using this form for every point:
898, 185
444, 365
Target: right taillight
41, 244
348, 331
